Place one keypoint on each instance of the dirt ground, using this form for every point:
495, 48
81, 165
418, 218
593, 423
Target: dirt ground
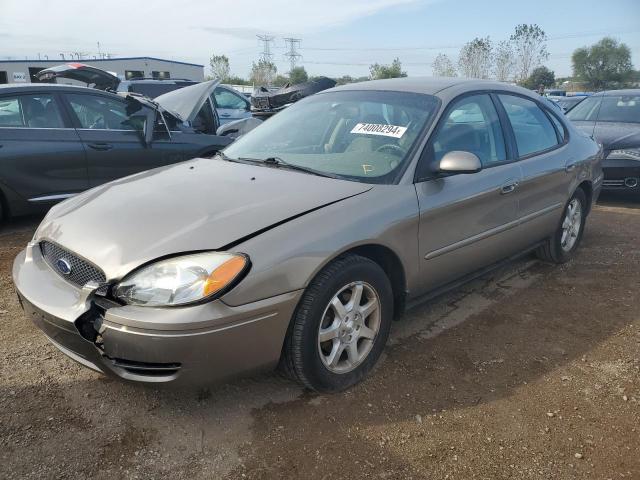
531, 372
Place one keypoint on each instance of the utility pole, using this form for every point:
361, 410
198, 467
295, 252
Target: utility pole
292, 52
266, 54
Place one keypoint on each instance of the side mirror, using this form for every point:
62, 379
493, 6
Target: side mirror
144, 124
458, 161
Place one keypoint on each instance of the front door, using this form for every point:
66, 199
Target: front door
466, 220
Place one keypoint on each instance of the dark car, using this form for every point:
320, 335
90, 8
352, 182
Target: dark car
613, 119
58, 140
266, 102
230, 104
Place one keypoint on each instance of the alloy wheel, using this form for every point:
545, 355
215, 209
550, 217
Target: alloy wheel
571, 225
349, 326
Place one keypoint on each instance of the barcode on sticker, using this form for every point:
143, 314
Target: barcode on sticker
379, 129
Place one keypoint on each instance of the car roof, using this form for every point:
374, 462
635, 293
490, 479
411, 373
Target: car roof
39, 87
156, 80
431, 85
626, 91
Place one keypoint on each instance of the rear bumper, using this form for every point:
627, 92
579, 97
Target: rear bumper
621, 174
190, 345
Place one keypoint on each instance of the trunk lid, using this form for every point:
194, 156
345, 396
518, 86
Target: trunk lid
99, 79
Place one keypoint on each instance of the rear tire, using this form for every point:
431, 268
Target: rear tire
561, 247
340, 326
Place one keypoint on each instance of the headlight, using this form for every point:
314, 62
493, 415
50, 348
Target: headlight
627, 153
181, 280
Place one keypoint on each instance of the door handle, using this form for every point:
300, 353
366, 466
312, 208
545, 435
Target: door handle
570, 168
508, 188
225, 114
100, 146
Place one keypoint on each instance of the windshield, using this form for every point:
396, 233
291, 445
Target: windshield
586, 110
620, 108
614, 108
358, 135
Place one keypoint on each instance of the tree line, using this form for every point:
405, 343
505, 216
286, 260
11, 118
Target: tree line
606, 64
519, 59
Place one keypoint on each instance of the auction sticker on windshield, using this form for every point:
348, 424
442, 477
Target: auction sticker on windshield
379, 129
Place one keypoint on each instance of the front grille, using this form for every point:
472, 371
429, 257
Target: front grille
613, 183
82, 272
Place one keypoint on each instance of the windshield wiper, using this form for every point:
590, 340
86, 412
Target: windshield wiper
227, 158
280, 163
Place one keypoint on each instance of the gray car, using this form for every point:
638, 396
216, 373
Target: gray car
301, 242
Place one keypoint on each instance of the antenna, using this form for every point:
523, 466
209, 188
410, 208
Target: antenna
292, 52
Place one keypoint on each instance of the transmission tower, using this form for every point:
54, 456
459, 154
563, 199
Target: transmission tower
292, 51
266, 40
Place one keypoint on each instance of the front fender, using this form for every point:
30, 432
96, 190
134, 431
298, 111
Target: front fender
288, 256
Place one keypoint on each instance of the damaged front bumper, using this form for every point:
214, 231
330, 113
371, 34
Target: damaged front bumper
195, 344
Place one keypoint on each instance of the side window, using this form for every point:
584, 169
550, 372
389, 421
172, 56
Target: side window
531, 126
101, 113
472, 125
226, 99
11, 113
559, 127
30, 111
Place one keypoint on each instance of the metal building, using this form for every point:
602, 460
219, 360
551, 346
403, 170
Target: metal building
23, 71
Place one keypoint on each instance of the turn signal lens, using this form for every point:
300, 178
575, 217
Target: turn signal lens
224, 275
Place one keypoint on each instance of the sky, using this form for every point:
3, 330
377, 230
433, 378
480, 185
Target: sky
338, 37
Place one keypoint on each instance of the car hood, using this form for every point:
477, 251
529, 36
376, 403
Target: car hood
185, 103
612, 135
201, 204
100, 79
615, 136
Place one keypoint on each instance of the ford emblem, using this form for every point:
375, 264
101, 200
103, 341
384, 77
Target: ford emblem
63, 266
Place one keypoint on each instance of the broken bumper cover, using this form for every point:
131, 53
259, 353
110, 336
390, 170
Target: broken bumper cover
198, 344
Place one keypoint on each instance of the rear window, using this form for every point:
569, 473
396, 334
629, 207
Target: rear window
30, 111
531, 126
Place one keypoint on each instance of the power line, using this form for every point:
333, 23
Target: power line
446, 47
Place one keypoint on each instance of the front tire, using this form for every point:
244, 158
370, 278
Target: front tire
561, 247
340, 326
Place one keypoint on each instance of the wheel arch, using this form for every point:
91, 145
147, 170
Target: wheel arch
390, 263
5, 213
587, 187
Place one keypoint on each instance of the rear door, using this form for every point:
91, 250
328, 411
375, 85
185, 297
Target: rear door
541, 145
466, 220
230, 105
112, 138
41, 155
